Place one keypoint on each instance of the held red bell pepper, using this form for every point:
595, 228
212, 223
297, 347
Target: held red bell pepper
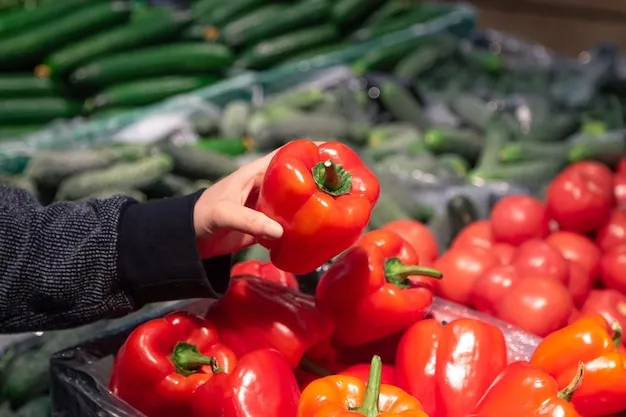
597, 344
373, 291
416, 359
344, 395
165, 360
470, 355
265, 270
522, 390
257, 314
322, 195
262, 384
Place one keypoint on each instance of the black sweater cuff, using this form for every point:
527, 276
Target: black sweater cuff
158, 259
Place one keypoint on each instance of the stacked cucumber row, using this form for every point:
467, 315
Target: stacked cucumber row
71, 58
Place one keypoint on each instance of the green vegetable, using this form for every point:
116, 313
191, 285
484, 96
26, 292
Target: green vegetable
179, 59
228, 147
25, 85
529, 151
348, 14
194, 163
25, 20
223, 14
607, 148
162, 26
525, 172
235, 119
461, 141
39, 407
420, 15
36, 110
401, 104
147, 91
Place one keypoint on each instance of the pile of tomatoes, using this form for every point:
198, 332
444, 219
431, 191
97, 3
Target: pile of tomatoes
539, 265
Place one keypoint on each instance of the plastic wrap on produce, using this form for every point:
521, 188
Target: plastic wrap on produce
80, 375
78, 133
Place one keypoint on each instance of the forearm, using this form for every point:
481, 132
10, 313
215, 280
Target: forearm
71, 263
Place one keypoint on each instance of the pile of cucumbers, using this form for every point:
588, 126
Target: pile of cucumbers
62, 59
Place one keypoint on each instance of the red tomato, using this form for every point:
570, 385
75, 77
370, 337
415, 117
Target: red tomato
613, 232
461, 267
478, 233
419, 236
536, 258
537, 305
517, 218
613, 269
578, 202
599, 172
619, 189
578, 249
611, 304
504, 252
491, 286
579, 284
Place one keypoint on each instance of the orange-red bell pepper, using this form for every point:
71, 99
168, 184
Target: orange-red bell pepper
163, 362
257, 314
343, 395
593, 341
265, 270
522, 390
416, 358
322, 195
373, 289
470, 355
262, 384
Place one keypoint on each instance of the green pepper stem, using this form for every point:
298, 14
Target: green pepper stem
398, 273
187, 359
568, 392
369, 408
618, 334
332, 178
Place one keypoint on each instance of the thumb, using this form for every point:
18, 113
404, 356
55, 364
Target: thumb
230, 216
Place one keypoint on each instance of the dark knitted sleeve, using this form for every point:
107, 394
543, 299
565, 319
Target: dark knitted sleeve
68, 264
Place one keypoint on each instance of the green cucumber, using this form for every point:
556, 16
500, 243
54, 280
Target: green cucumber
525, 172
349, 14
389, 10
51, 168
405, 200
409, 143
553, 128
108, 112
301, 99
229, 11
39, 407
392, 25
199, 164
181, 58
226, 146
272, 51
316, 52
484, 61
24, 20
424, 59
170, 186
386, 210
25, 85
33, 45
123, 176
35, 110
262, 23
454, 163
385, 57
235, 119
384, 132
496, 136
461, 213
471, 109
607, 148
461, 141
203, 8
16, 131
147, 91
161, 27
530, 151
403, 106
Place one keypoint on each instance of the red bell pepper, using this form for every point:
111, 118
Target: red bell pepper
345, 395
597, 344
165, 360
470, 355
362, 371
322, 195
265, 270
416, 359
262, 384
522, 390
257, 314
372, 290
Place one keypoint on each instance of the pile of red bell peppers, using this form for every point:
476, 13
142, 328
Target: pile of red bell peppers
365, 343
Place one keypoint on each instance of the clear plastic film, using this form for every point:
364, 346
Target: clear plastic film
80, 375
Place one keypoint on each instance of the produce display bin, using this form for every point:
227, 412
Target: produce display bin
458, 20
80, 375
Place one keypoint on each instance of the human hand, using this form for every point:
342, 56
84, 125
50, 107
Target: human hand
224, 217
